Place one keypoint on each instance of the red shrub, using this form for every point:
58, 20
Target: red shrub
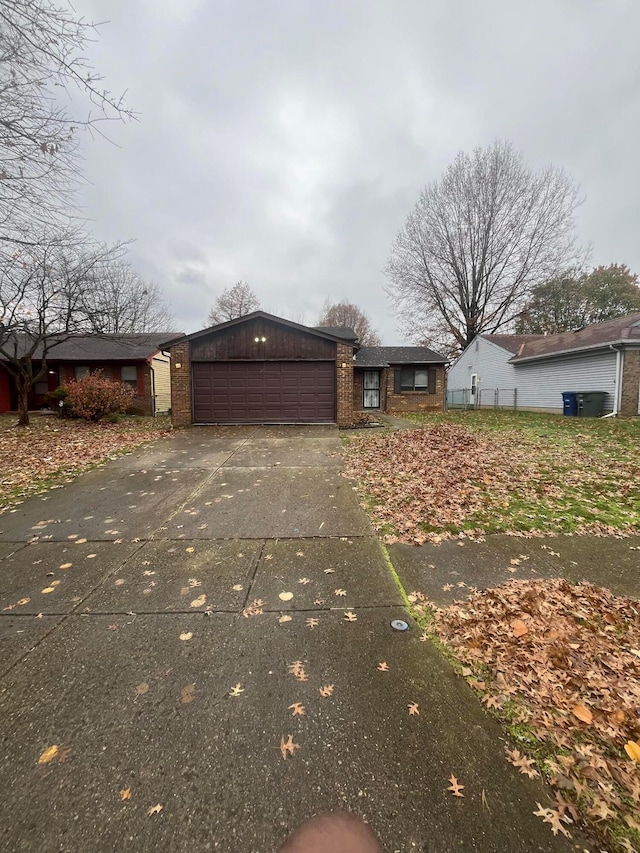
95, 396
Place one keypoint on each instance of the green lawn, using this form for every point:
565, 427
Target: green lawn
490, 472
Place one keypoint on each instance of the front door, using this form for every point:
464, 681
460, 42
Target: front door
371, 383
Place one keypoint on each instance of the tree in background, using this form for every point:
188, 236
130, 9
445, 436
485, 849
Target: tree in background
46, 296
233, 302
580, 299
477, 241
122, 302
43, 49
350, 316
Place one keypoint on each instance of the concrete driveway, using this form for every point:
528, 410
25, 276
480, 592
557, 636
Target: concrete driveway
134, 600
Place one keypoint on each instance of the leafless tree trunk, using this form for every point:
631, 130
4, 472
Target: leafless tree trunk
476, 243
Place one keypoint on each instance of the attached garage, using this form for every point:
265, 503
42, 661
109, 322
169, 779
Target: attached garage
264, 392
262, 369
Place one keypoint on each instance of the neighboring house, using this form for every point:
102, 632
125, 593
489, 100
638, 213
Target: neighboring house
137, 359
398, 379
264, 369
539, 368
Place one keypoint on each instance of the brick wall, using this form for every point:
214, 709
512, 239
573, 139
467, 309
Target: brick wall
358, 390
630, 383
180, 385
413, 401
344, 384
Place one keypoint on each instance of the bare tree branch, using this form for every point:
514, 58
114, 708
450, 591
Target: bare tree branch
351, 317
476, 243
233, 302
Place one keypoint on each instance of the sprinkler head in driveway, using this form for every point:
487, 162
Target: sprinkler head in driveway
399, 625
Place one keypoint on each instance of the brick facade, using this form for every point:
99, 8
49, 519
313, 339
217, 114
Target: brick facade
181, 411
344, 384
406, 401
630, 397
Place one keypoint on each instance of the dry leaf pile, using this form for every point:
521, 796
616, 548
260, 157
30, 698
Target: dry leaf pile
561, 662
51, 446
426, 484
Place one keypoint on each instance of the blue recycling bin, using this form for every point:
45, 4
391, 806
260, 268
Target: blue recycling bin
570, 403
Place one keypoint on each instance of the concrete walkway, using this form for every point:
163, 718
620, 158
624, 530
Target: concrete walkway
129, 611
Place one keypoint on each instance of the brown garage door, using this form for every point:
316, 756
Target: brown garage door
264, 392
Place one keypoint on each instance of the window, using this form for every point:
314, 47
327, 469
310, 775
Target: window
129, 375
80, 370
414, 380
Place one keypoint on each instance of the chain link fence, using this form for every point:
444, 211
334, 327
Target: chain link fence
485, 398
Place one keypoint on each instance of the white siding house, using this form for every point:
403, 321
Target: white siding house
531, 372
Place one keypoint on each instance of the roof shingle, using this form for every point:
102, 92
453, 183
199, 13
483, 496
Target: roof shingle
384, 356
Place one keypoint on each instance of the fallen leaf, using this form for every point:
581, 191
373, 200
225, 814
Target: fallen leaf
125, 794
48, 755
188, 694
350, 617
199, 601
68, 565
341, 592
329, 571
186, 635
311, 622
297, 709
89, 557
142, 688
237, 690
238, 587
383, 666
285, 618
24, 601
80, 541
288, 747
582, 713
519, 628
632, 748
119, 582
455, 787
154, 810
48, 589
327, 690
413, 709
285, 596
304, 580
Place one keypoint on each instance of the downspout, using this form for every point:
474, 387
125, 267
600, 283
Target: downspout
618, 382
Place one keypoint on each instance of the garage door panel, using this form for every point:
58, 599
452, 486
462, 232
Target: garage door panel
294, 392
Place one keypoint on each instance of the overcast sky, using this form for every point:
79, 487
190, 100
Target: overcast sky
284, 143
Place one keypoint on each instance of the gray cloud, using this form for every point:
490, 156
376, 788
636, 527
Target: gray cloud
284, 142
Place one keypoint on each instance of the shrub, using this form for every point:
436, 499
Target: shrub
60, 403
94, 396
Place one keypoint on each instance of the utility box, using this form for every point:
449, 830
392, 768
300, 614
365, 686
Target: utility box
569, 403
590, 403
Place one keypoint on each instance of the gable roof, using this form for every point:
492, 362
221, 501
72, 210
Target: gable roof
105, 347
512, 343
345, 332
385, 356
262, 315
620, 330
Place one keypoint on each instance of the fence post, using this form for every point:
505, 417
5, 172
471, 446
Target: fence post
515, 399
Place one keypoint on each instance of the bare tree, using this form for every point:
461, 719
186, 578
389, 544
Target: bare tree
348, 315
233, 302
476, 243
43, 301
120, 301
42, 55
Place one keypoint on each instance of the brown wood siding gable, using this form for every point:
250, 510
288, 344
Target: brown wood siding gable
281, 343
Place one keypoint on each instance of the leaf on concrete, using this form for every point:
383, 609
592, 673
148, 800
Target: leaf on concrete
288, 747
383, 666
142, 688
48, 589
340, 592
285, 596
67, 565
413, 709
350, 617
326, 690
48, 755
285, 618
154, 810
188, 694
186, 635
125, 794
455, 787
236, 690
199, 601
311, 622
297, 709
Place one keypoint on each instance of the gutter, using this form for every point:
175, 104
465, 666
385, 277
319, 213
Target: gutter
628, 342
